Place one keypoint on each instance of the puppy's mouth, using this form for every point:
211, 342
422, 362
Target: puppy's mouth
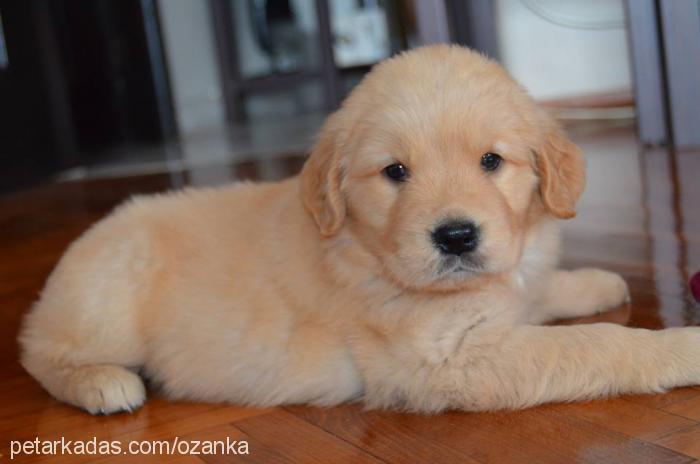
458, 266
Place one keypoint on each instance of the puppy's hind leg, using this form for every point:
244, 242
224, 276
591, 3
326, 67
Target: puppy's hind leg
83, 336
82, 360
97, 388
82, 366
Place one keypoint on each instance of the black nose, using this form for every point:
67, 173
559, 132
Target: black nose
456, 238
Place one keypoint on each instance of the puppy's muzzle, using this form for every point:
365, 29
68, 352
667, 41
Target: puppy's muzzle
456, 237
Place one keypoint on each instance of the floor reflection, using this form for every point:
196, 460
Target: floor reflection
667, 186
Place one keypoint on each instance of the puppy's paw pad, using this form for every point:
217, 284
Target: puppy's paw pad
106, 389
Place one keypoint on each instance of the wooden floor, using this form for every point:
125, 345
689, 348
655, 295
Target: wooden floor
640, 216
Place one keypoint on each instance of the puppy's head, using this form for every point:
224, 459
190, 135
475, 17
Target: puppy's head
438, 163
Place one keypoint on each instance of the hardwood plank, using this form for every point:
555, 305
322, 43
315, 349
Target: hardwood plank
225, 414
689, 408
685, 441
294, 440
385, 435
534, 435
629, 418
27, 398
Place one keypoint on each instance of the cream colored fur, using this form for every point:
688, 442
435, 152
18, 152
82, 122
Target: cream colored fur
326, 288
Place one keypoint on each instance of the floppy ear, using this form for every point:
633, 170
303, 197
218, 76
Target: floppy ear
320, 182
562, 172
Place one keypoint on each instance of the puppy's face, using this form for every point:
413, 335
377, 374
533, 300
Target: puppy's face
437, 164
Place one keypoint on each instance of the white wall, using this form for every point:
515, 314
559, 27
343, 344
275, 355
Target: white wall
554, 61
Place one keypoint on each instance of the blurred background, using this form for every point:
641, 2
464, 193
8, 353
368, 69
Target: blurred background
94, 88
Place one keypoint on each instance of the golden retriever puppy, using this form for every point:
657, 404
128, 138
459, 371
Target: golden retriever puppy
408, 266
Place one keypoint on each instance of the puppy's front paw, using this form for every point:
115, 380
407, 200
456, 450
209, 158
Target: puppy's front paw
605, 289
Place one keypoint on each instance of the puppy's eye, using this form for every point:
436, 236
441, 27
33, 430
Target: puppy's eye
491, 161
396, 172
